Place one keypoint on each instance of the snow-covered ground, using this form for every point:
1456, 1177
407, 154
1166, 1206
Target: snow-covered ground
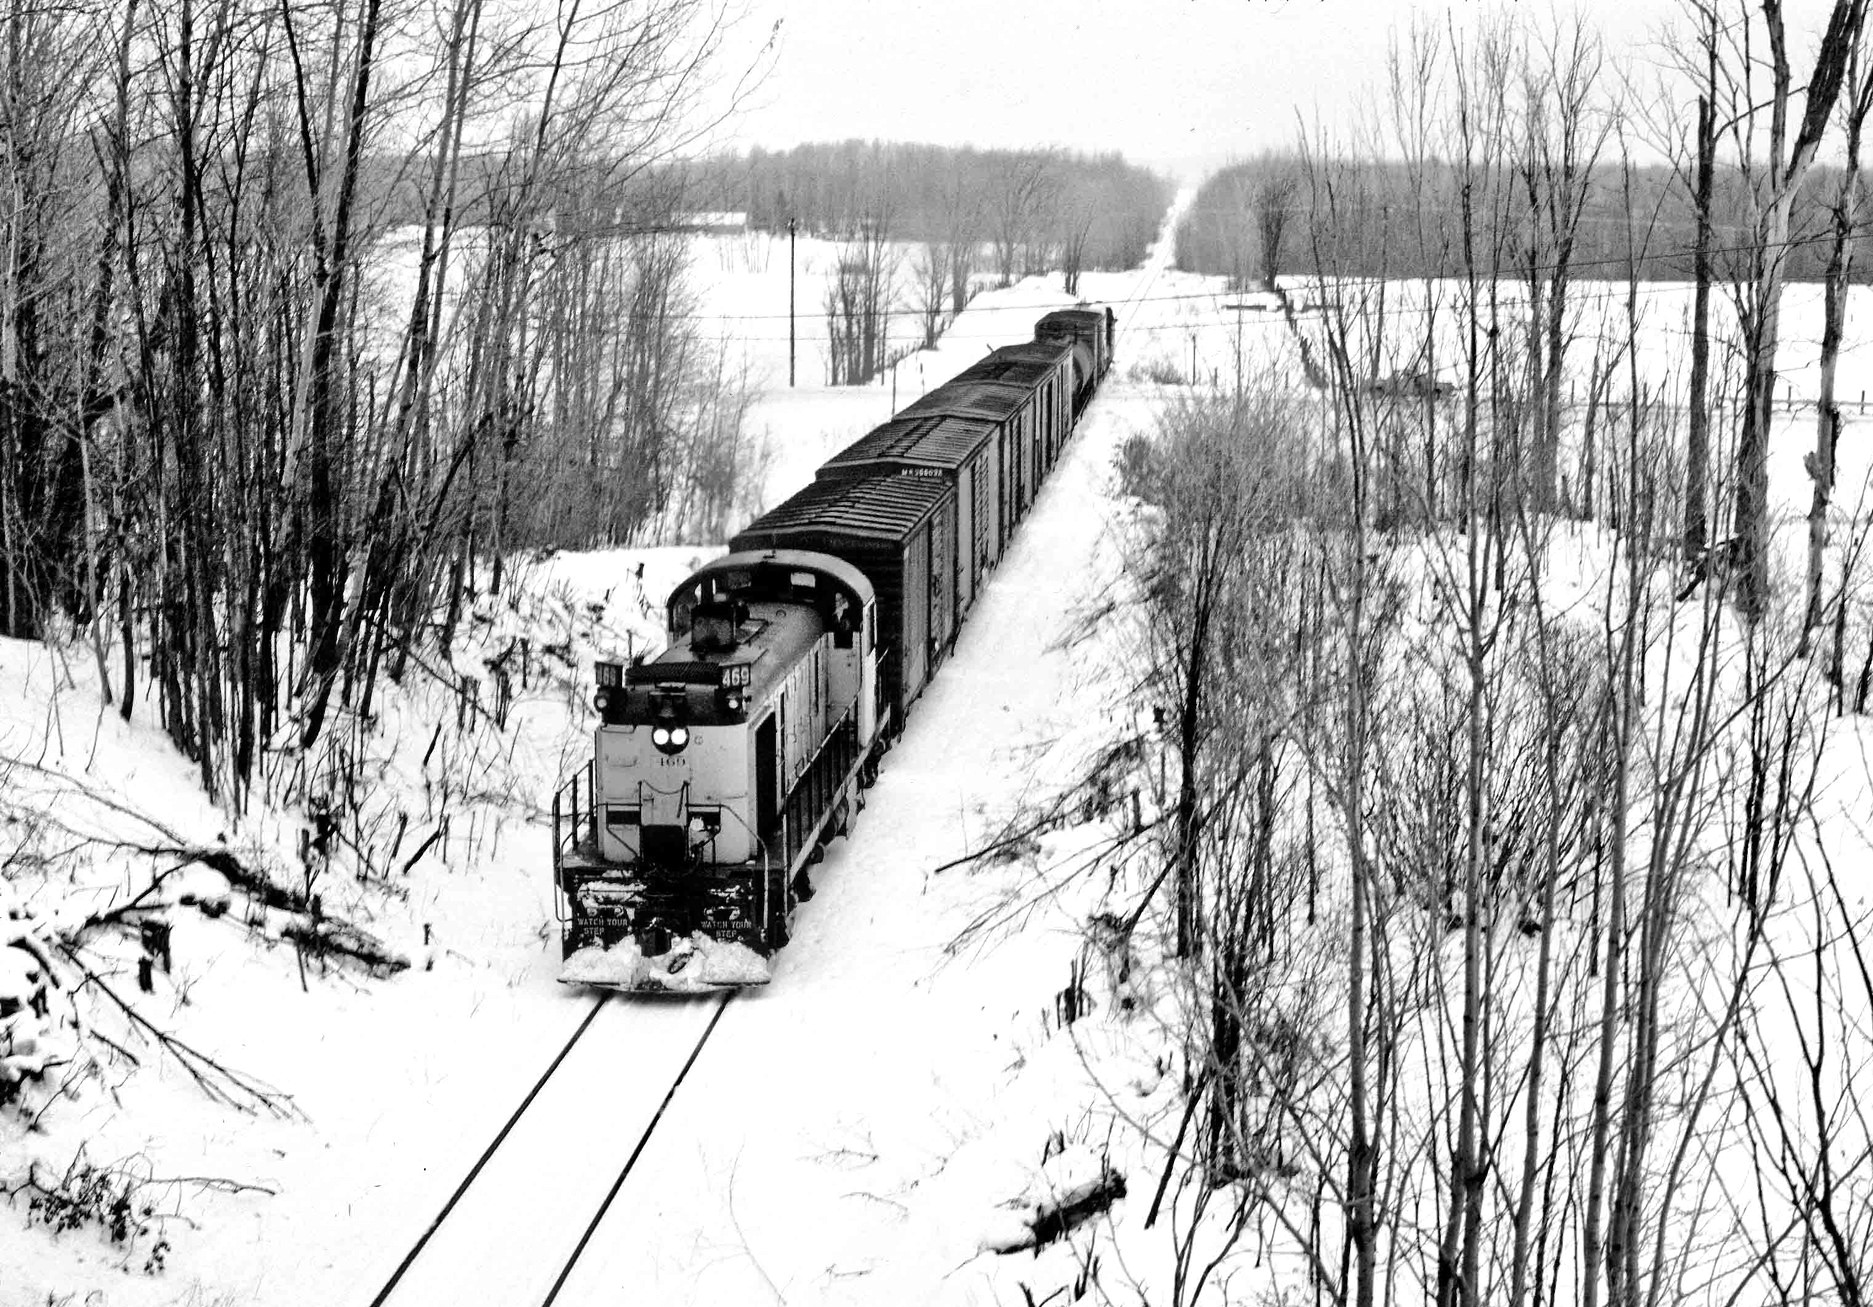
867, 1129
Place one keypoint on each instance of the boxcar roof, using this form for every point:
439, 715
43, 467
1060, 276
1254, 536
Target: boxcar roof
1087, 316
1024, 365
989, 401
942, 440
1047, 350
887, 506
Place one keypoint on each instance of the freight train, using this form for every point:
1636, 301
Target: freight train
722, 766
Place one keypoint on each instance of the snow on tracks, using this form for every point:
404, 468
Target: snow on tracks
515, 1227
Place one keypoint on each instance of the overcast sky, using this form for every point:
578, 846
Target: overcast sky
1168, 82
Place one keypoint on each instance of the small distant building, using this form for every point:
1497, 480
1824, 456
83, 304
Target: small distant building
712, 222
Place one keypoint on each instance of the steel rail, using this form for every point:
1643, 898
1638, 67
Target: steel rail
643, 1139
416, 1250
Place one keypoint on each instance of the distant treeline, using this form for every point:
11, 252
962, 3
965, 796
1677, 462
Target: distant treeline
1035, 198
1030, 203
1404, 222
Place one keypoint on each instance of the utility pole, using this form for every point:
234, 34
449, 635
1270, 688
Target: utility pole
1239, 308
791, 225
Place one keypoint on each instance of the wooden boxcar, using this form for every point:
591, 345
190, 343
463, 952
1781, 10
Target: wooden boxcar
963, 451
1009, 408
900, 531
1046, 370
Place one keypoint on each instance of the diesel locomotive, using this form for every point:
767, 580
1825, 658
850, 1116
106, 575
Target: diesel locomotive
722, 767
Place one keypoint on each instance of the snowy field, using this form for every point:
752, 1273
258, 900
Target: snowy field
866, 1130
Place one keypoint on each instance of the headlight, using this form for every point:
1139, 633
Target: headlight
679, 737
660, 737
600, 699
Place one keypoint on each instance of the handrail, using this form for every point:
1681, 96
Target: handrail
850, 715
568, 815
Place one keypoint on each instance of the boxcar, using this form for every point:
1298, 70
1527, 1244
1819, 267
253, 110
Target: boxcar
1009, 408
898, 530
962, 451
1046, 370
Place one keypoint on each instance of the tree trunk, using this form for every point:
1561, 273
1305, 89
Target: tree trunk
1820, 464
325, 546
1752, 455
1697, 448
1185, 887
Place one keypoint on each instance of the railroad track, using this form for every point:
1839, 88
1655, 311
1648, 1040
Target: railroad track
603, 1091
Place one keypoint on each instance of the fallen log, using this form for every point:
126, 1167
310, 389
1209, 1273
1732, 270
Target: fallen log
1046, 1219
328, 935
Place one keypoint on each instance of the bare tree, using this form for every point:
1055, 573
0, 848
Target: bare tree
1697, 448
48, 62
1077, 217
1566, 129
1785, 165
1275, 197
1846, 222
1023, 191
1808, 1117
1351, 321
859, 299
960, 210
931, 269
